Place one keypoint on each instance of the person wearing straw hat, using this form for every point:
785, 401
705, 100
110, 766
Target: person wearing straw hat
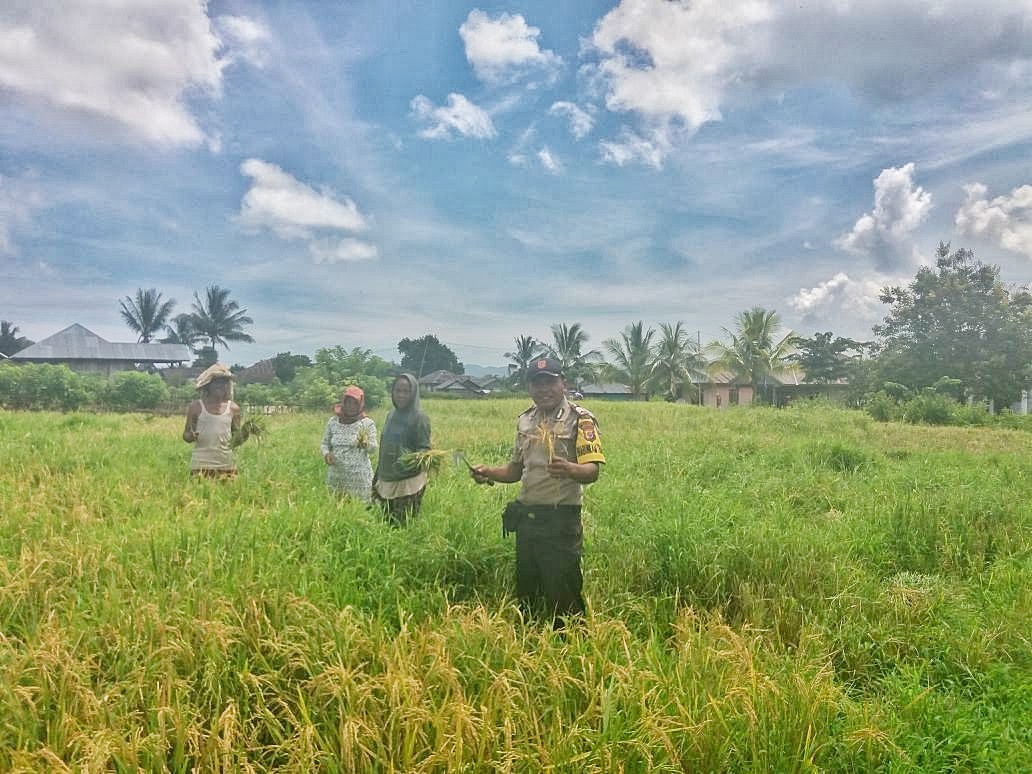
348, 441
213, 424
558, 451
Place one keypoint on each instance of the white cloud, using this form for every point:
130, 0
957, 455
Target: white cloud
342, 251
292, 210
460, 116
133, 63
885, 233
840, 293
283, 204
504, 47
673, 60
632, 147
246, 38
679, 64
581, 122
1006, 219
549, 160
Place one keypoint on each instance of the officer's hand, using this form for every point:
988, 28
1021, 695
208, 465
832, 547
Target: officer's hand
480, 475
560, 468
329, 458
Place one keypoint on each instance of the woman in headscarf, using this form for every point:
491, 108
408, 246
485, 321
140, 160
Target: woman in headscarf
399, 484
348, 442
213, 424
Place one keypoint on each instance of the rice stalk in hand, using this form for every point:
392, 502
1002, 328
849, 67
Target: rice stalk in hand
362, 437
427, 460
546, 435
252, 427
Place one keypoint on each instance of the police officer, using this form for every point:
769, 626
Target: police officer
558, 450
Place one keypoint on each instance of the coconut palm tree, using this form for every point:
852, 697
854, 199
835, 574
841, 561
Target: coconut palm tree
754, 353
219, 319
677, 360
567, 343
181, 331
527, 349
10, 341
632, 356
147, 313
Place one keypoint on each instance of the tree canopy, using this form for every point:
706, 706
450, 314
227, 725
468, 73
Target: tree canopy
427, 354
527, 348
10, 339
146, 313
756, 351
826, 358
219, 319
957, 320
632, 355
568, 341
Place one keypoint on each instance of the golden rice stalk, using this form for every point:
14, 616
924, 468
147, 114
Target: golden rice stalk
427, 460
546, 435
252, 427
362, 437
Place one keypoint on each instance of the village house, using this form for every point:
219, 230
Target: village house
84, 351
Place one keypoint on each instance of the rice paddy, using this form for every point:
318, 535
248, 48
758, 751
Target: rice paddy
795, 590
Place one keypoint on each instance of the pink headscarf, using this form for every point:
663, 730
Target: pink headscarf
351, 391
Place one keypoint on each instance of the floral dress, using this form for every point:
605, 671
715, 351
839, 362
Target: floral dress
351, 445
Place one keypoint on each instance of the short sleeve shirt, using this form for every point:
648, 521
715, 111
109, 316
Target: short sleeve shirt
568, 432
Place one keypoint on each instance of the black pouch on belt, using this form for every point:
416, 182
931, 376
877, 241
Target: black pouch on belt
512, 517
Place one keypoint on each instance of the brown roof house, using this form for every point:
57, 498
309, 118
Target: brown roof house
84, 351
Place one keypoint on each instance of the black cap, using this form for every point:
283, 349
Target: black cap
544, 365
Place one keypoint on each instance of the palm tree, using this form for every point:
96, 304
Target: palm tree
752, 354
219, 319
10, 341
527, 349
567, 343
632, 357
181, 331
677, 360
147, 313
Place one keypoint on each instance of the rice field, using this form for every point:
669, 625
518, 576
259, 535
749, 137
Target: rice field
793, 590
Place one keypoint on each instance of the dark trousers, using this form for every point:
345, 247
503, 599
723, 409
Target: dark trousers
549, 540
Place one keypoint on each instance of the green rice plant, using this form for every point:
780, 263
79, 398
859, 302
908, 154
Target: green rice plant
767, 590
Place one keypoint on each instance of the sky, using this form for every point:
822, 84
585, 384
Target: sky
360, 172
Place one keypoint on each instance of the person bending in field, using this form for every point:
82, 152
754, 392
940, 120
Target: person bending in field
399, 483
558, 450
213, 425
349, 439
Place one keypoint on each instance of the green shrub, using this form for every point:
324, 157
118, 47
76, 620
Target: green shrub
883, 407
128, 390
929, 408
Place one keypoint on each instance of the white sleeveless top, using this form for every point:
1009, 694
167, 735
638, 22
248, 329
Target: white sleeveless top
212, 451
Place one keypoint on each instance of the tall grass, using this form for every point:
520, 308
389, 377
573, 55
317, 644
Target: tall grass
768, 590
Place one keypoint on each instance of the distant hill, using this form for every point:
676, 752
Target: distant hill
472, 369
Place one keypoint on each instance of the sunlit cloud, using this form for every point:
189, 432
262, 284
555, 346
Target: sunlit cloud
460, 116
1006, 220
504, 47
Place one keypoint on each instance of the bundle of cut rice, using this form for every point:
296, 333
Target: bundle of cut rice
252, 427
427, 460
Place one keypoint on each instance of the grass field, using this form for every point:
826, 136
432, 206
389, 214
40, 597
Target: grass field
794, 590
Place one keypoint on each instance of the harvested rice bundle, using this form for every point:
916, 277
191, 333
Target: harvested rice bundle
252, 427
362, 437
428, 460
546, 435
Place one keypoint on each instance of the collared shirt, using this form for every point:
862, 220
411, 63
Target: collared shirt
568, 432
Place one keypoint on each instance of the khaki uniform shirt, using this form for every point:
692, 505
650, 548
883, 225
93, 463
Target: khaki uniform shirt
569, 432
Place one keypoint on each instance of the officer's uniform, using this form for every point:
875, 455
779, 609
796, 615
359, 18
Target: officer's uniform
548, 529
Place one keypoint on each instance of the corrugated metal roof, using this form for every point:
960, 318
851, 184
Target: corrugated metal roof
78, 343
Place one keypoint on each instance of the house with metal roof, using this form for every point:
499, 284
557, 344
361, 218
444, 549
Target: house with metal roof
84, 351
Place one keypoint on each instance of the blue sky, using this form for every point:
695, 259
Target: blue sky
359, 172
